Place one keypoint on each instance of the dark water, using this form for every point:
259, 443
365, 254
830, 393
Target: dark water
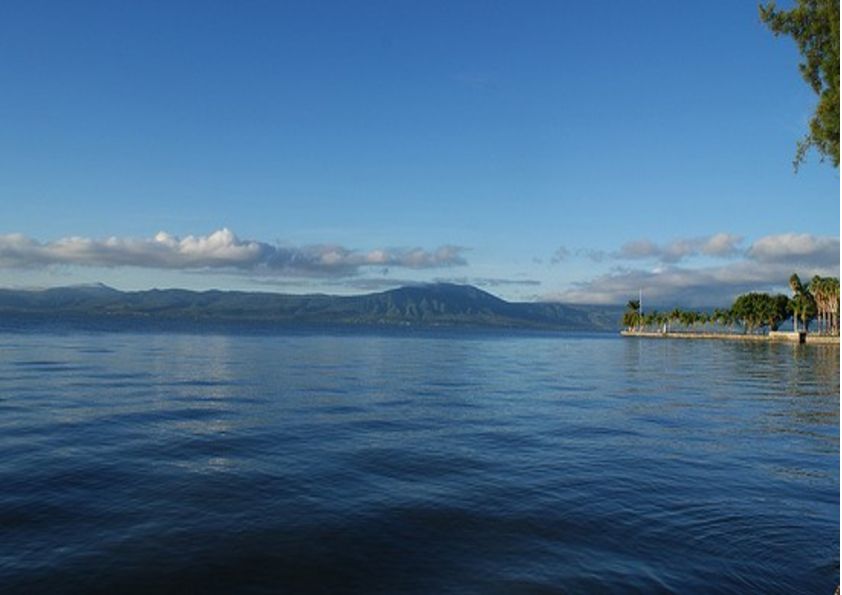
431, 463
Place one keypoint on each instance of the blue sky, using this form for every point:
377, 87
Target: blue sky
542, 150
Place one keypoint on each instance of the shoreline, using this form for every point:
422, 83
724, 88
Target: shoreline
786, 337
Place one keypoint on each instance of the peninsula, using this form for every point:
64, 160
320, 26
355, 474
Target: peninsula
752, 317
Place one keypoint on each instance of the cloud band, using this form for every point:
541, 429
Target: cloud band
220, 250
765, 266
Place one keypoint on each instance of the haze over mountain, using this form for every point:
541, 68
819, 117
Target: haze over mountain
441, 304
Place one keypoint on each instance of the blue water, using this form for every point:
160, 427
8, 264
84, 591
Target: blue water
415, 463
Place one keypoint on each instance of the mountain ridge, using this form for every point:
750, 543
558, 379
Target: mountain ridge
438, 304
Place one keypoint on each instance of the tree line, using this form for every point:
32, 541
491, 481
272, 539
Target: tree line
817, 301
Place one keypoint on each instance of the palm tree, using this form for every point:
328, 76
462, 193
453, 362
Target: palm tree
816, 289
803, 306
631, 317
688, 319
663, 320
797, 289
808, 301
825, 292
721, 316
674, 316
728, 319
702, 318
832, 288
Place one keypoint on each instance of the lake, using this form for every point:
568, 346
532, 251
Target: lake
415, 462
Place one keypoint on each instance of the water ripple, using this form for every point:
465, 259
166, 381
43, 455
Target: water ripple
416, 464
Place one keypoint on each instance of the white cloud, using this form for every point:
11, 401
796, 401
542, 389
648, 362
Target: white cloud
221, 249
796, 248
765, 266
487, 281
721, 245
639, 249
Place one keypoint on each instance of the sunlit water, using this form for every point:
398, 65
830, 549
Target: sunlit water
415, 463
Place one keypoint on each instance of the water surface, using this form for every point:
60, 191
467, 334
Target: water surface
415, 463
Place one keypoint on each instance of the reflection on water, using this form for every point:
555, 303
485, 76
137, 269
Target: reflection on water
427, 463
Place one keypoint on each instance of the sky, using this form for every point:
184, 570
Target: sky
540, 150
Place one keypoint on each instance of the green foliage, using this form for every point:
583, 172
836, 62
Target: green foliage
824, 291
632, 317
748, 311
722, 316
755, 310
803, 306
777, 311
814, 25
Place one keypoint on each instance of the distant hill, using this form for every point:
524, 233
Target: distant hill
441, 304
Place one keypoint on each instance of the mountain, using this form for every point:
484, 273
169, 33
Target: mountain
441, 304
